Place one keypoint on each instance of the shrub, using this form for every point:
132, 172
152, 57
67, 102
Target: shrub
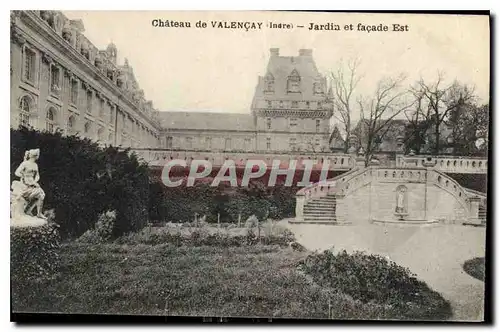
182, 203
475, 267
103, 229
82, 180
371, 278
34, 258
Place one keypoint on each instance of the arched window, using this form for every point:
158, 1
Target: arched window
87, 127
100, 133
50, 119
24, 111
71, 124
293, 83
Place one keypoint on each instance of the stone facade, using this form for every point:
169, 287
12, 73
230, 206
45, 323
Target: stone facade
61, 82
290, 112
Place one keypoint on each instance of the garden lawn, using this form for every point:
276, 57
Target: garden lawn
163, 279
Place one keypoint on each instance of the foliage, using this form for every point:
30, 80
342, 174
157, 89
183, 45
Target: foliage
181, 204
374, 279
207, 236
103, 229
34, 257
475, 267
163, 279
82, 180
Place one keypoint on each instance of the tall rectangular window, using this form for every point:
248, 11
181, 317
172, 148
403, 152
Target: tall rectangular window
293, 123
89, 101
29, 65
227, 144
268, 143
293, 143
101, 108
74, 92
189, 142
268, 123
55, 74
247, 143
208, 142
318, 125
111, 115
169, 142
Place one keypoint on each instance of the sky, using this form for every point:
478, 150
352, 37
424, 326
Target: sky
211, 69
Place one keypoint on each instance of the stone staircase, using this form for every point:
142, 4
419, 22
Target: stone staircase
482, 213
321, 210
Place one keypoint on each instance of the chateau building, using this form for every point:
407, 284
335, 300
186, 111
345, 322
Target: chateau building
61, 81
290, 112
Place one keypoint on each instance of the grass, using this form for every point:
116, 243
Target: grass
168, 279
475, 268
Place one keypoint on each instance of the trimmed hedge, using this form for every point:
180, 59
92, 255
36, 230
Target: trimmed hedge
374, 279
34, 258
82, 180
180, 204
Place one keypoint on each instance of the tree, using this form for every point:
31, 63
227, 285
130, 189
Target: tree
418, 123
469, 123
439, 100
378, 112
344, 82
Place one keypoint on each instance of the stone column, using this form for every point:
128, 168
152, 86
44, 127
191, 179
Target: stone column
474, 210
300, 199
341, 210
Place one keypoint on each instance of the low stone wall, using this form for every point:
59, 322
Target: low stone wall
371, 194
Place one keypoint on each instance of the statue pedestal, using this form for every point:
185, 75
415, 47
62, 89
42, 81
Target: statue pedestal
27, 221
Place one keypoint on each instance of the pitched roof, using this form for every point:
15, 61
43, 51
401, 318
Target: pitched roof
207, 121
280, 68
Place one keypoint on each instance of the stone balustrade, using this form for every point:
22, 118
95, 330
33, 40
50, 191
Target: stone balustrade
447, 164
382, 181
158, 157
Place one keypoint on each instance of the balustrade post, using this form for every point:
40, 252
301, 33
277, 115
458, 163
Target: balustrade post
474, 210
300, 199
341, 208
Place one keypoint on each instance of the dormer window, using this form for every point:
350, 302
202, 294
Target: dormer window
269, 83
293, 83
318, 88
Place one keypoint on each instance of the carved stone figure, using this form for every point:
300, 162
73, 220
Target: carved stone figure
401, 200
26, 193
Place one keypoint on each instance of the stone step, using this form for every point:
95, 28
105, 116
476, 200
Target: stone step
320, 219
327, 206
319, 211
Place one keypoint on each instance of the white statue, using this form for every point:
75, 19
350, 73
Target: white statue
26, 193
400, 200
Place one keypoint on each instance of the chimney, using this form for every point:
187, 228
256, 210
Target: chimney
275, 51
305, 52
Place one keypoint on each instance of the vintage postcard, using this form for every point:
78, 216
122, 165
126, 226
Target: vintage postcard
262, 165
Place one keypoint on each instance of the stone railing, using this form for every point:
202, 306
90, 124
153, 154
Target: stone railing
344, 185
448, 164
337, 186
446, 183
158, 157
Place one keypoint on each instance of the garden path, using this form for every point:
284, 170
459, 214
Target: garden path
434, 253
